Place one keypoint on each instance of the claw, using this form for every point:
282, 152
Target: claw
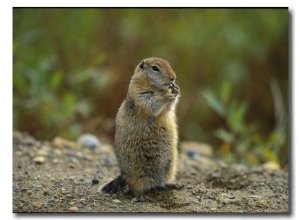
174, 88
176, 186
142, 198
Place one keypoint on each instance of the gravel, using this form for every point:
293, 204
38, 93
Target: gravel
62, 176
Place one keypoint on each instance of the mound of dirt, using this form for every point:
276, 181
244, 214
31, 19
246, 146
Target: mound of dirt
61, 176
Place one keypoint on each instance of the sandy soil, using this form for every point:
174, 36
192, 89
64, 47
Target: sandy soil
60, 176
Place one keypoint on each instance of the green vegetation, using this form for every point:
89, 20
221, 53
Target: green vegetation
242, 142
71, 68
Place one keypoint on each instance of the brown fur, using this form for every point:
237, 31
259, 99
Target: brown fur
146, 130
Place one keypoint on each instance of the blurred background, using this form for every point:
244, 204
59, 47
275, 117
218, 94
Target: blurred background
72, 67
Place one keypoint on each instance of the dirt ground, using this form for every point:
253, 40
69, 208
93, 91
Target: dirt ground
60, 176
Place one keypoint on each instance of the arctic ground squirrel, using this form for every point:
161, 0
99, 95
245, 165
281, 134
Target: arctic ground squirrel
146, 135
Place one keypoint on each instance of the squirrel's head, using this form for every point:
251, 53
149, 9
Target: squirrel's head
155, 71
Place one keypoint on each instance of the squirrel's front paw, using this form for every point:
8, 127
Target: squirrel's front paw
174, 89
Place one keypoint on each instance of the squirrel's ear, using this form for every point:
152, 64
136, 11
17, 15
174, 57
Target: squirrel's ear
142, 65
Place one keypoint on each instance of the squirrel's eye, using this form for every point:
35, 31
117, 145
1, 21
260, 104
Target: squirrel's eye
155, 68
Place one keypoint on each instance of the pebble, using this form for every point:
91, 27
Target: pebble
38, 204
95, 180
52, 200
271, 166
61, 142
255, 196
42, 152
108, 159
73, 209
194, 149
20, 178
58, 152
210, 197
80, 194
16, 188
74, 160
86, 181
189, 187
112, 206
89, 209
55, 160
83, 202
19, 153
39, 160
117, 201
88, 141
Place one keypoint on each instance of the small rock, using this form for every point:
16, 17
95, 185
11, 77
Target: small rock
271, 166
108, 159
83, 202
210, 197
52, 200
117, 201
80, 194
88, 141
42, 152
19, 153
262, 204
58, 152
194, 149
26, 139
73, 209
213, 209
95, 180
61, 142
29, 192
85, 180
255, 196
39, 160
38, 204
189, 187
89, 209
72, 203
74, 160
69, 195
17, 135
112, 206
55, 160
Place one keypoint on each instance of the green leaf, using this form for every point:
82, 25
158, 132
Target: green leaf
56, 80
224, 135
225, 91
236, 116
68, 103
214, 102
269, 155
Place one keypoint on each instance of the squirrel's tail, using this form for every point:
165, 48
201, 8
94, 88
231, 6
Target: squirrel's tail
117, 185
